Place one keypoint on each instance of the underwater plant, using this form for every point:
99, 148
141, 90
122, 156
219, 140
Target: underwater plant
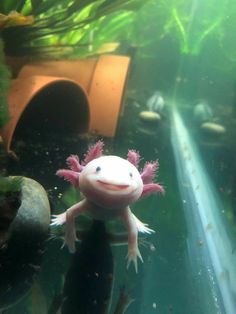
58, 27
4, 84
189, 24
194, 22
80, 27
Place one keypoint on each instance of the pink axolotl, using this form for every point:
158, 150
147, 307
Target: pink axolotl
109, 185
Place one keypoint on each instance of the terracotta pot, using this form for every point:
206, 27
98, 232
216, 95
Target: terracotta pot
15, 64
101, 82
102, 78
63, 102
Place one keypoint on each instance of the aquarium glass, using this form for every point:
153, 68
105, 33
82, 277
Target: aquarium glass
153, 82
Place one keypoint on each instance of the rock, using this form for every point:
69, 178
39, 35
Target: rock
213, 128
34, 212
20, 255
149, 116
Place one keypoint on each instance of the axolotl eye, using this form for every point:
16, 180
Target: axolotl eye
98, 169
131, 175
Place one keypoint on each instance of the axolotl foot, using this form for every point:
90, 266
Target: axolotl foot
70, 234
133, 256
58, 220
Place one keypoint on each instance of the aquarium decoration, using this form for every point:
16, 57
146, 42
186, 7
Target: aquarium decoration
24, 227
109, 185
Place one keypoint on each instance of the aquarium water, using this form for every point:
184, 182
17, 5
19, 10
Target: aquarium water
152, 82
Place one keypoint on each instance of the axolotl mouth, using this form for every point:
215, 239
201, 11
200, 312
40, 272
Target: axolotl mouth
114, 187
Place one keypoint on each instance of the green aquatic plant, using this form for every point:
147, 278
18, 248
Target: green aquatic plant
188, 24
192, 22
4, 84
80, 27
59, 27
100, 36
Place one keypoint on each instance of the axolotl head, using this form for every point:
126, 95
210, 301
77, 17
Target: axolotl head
111, 182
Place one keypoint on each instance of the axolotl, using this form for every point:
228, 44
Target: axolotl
109, 184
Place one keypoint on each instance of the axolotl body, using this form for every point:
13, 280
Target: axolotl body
109, 185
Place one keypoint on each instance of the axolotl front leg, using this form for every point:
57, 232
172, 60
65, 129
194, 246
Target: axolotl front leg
131, 224
68, 218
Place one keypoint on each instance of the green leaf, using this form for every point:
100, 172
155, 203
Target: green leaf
9, 5
4, 85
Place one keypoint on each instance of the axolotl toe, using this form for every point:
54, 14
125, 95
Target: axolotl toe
109, 185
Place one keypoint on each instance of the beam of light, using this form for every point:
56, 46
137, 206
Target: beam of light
209, 246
